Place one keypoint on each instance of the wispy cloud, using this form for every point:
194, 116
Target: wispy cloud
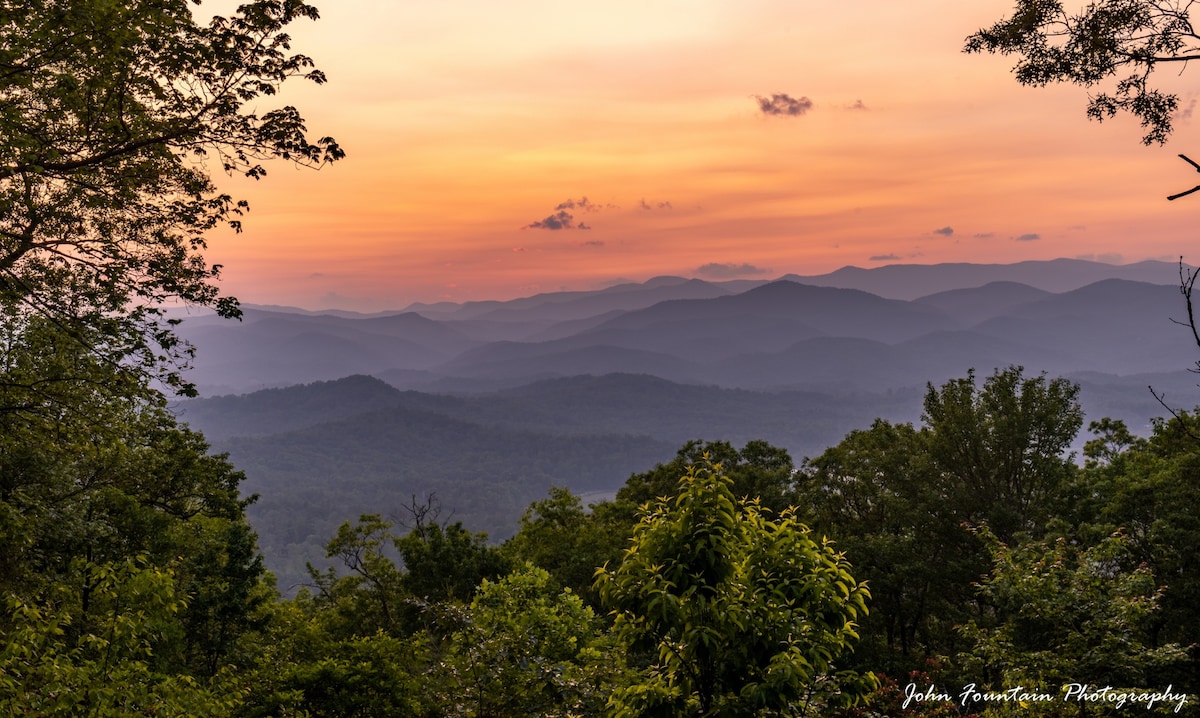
582, 204
884, 258
643, 204
592, 243
858, 105
718, 270
945, 231
782, 104
984, 235
1031, 237
1186, 113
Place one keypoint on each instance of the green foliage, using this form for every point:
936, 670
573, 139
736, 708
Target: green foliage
759, 471
95, 473
92, 650
1121, 40
440, 565
527, 650
1148, 492
1000, 450
447, 563
742, 613
1069, 615
876, 493
559, 535
899, 499
110, 114
308, 664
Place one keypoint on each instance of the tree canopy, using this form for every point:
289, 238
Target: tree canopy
1113, 43
112, 118
743, 613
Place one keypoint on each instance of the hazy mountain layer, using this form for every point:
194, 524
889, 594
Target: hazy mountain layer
489, 404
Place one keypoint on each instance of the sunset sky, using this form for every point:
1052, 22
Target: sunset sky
469, 126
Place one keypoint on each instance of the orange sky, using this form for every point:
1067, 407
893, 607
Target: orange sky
465, 122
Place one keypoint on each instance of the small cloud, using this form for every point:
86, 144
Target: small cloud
317, 275
858, 105
1031, 237
592, 243
518, 249
582, 204
884, 258
559, 220
781, 104
945, 231
562, 219
984, 235
717, 270
643, 204
1186, 113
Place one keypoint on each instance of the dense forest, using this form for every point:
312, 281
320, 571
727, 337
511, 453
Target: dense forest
962, 563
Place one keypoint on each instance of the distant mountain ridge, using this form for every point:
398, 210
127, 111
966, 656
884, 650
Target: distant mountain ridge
778, 334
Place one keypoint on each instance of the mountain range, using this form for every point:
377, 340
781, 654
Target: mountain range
487, 405
781, 334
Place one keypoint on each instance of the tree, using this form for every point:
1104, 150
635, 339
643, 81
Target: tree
900, 501
1148, 492
742, 613
560, 536
49, 667
111, 114
1068, 615
1108, 40
759, 471
876, 493
526, 649
1000, 450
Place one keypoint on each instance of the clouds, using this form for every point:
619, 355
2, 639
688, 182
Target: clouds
884, 258
718, 270
564, 215
582, 204
561, 219
1030, 237
783, 105
945, 231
